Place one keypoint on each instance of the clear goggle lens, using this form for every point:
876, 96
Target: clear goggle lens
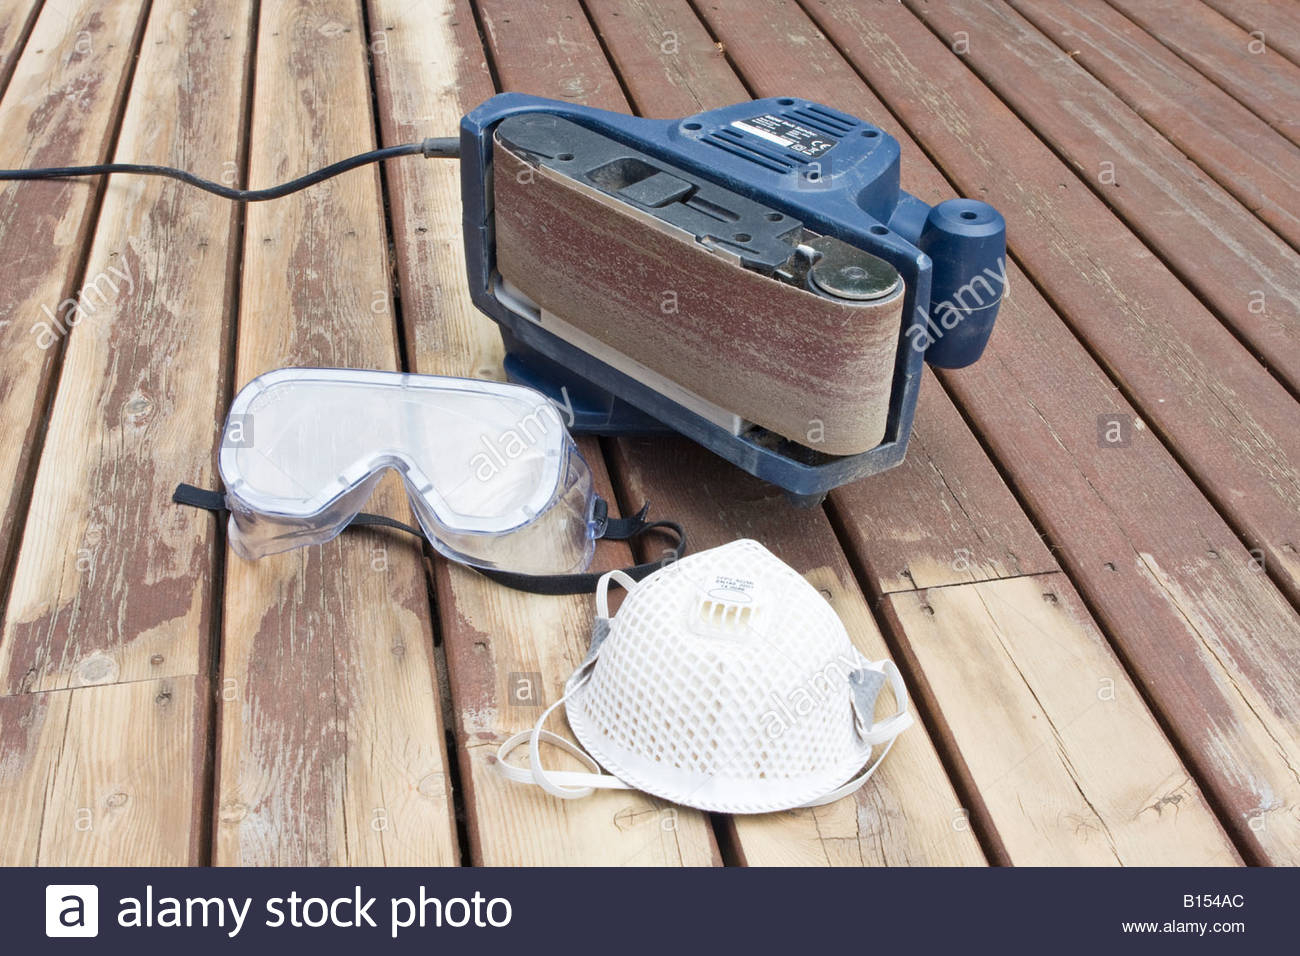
494, 478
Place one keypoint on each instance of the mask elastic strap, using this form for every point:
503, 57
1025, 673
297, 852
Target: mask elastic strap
568, 784
885, 731
625, 579
565, 784
615, 529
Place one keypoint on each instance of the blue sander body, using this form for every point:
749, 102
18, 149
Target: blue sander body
796, 204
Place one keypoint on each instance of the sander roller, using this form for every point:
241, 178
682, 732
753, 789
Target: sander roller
751, 277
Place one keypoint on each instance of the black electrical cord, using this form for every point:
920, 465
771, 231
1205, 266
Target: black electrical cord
447, 147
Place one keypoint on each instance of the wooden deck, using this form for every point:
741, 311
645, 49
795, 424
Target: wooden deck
1101, 634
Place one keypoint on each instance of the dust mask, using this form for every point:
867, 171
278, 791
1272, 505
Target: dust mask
725, 682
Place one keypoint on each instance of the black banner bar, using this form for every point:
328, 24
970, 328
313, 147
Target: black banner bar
665, 911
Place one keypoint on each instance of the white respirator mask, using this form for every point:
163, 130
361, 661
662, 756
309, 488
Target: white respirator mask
725, 682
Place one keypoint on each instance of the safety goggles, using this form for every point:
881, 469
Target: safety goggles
493, 476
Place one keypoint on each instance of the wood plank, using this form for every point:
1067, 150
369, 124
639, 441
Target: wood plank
943, 517
573, 67
1212, 242
947, 491
1054, 735
1243, 154
431, 72
1276, 22
330, 727
900, 814
1107, 509
1187, 605
114, 582
1236, 429
907, 815
17, 17
105, 776
665, 43
61, 107
919, 511
1252, 73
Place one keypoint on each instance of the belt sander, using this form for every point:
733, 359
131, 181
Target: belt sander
751, 277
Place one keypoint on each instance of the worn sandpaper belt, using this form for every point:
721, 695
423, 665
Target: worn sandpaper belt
811, 369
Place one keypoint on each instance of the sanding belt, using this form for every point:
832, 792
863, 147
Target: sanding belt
815, 370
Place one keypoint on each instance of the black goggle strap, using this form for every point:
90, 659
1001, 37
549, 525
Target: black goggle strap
615, 529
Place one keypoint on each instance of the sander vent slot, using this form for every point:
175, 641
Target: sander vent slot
732, 143
825, 123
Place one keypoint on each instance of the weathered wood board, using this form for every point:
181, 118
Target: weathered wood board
1240, 63
1086, 566
330, 739
944, 517
62, 106
114, 583
1051, 439
106, 776
17, 17
1237, 265
1056, 738
1243, 154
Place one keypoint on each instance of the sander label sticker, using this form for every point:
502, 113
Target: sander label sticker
792, 136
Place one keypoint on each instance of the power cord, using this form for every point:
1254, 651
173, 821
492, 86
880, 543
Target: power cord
436, 147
